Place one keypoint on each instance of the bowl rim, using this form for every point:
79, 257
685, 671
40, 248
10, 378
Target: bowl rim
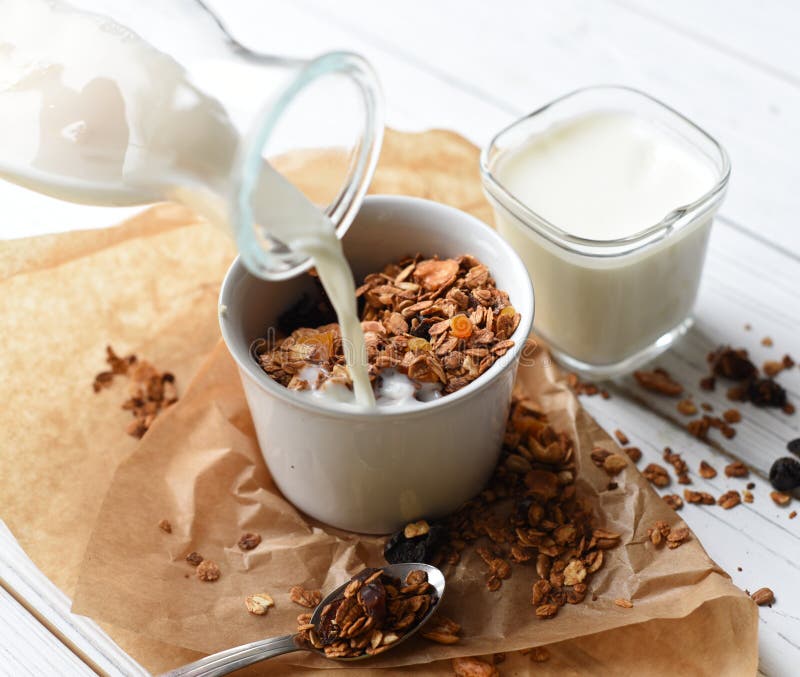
524, 300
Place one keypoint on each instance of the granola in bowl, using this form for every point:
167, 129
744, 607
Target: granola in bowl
431, 327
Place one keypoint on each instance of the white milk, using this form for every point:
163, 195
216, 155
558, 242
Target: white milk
91, 113
605, 176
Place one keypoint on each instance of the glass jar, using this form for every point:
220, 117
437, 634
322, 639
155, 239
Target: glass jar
607, 305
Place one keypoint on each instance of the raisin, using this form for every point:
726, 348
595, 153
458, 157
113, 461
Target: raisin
373, 598
399, 549
732, 364
794, 446
784, 474
765, 392
328, 630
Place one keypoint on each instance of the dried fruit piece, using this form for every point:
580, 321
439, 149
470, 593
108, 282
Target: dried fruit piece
731, 364
249, 541
730, 499
399, 549
460, 326
673, 501
194, 558
763, 596
624, 603
307, 598
707, 471
165, 526
780, 498
659, 381
259, 603
208, 571
784, 474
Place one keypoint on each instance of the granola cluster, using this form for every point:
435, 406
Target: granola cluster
374, 612
528, 515
150, 391
439, 321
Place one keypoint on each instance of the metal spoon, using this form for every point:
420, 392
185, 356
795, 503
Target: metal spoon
229, 660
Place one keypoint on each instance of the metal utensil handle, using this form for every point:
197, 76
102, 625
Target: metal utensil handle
232, 659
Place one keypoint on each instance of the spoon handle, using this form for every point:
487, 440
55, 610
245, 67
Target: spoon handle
232, 659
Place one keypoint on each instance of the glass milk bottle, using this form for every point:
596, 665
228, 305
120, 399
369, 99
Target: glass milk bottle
120, 103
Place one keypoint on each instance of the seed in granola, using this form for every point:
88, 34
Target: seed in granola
763, 597
259, 603
249, 541
700, 497
165, 526
784, 474
780, 498
194, 558
414, 529
624, 603
634, 453
659, 381
729, 499
707, 471
657, 475
614, 464
307, 598
208, 571
468, 666
736, 469
673, 501
687, 407
621, 436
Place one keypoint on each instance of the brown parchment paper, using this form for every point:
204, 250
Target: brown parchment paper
150, 286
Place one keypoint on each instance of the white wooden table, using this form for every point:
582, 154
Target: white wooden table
474, 66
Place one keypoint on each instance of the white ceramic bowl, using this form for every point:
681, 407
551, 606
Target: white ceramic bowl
374, 472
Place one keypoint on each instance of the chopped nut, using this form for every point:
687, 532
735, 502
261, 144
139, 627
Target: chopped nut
763, 597
621, 436
307, 598
259, 604
659, 381
657, 475
165, 526
729, 499
194, 558
415, 529
624, 603
673, 501
736, 469
706, 471
687, 407
249, 541
780, 498
208, 571
677, 536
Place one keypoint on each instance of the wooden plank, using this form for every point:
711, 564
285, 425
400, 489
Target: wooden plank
524, 54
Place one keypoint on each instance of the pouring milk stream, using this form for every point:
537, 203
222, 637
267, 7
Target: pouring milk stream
91, 113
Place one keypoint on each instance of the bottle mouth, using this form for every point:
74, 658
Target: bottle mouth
308, 132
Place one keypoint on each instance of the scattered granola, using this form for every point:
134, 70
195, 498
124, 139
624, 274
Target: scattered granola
661, 533
249, 541
678, 464
194, 558
307, 598
763, 597
700, 497
614, 464
208, 571
735, 365
634, 453
659, 381
372, 613
747, 496
730, 499
780, 498
657, 474
706, 471
784, 474
621, 436
624, 603
766, 341
673, 501
437, 321
150, 390
468, 666
793, 514
687, 407
165, 526
441, 630
736, 469
259, 603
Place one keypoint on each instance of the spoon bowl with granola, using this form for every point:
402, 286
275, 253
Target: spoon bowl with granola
373, 612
